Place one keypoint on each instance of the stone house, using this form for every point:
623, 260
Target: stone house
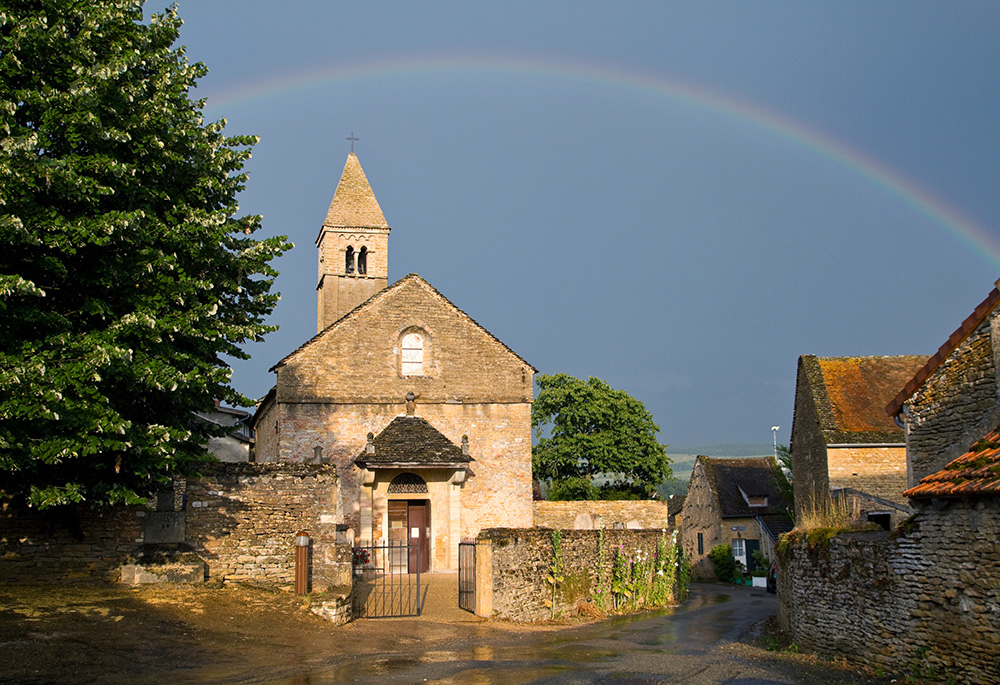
424, 413
925, 598
953, 399
842, 440
736, 502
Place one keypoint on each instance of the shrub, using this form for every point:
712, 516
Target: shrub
723, 562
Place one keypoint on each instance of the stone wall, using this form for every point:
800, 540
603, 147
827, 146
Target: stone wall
879, 471
242, 520
593, 514
68, 545
926, 597
808, 444
513, 565
957, 405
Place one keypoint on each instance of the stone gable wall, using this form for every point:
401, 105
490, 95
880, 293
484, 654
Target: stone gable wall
516, 564
879, 471
956, 406
593, 514
928, 598
700, 515
808, 446
359, 360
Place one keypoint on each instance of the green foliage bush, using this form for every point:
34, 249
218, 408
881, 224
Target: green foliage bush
723, 562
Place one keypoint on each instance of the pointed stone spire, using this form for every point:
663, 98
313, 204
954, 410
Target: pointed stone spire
353, 247
354, 203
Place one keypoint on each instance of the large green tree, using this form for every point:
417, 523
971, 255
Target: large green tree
126, 279
594, 442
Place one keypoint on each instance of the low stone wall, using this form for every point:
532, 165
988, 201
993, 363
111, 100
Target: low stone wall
513, 566
925, 599
67, 545
593, 514
240, 518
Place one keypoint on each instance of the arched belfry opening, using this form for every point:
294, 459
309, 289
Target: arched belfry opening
349, 260
363, 261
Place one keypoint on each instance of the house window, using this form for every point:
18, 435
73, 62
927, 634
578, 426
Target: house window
412, 354
363, 261
759, 501
349, 260
701, 543
740, 551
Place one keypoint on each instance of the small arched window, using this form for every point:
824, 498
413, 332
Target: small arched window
407, 484
412, 354
363, 261
349, 260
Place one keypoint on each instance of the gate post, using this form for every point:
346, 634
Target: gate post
301, 563
484, 578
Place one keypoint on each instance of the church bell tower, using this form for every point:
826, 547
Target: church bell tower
353, 246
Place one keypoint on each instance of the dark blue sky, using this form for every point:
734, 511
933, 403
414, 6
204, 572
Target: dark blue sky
678, 197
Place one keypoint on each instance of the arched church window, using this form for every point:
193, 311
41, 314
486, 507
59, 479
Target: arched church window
412, 354
349, 260
363, 261
407, 484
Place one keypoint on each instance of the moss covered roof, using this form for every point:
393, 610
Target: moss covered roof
850, 394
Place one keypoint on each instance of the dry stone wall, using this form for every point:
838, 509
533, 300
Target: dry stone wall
518, 563
68, 545
923, 600
588, 514
242, 520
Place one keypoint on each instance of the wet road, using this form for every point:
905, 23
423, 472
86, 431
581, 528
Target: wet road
685, 645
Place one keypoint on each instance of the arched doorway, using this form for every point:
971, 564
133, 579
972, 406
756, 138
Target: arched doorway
410, 521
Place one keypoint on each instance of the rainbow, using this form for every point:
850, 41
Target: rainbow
960, 228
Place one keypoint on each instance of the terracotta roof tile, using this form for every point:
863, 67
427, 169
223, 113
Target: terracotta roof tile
954, 340
975, 473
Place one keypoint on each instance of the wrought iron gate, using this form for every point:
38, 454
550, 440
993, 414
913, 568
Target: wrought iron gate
383, 584
467, 576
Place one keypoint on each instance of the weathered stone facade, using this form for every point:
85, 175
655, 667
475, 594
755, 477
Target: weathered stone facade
407, 348
957, 404
928, 598
841, 435
512, 568
593, 514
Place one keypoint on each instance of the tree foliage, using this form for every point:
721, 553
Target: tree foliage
594, 442
125, 277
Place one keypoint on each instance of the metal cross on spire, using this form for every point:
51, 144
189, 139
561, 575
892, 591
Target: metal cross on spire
352, 139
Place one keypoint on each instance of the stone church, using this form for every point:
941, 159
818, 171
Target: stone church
425, 414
